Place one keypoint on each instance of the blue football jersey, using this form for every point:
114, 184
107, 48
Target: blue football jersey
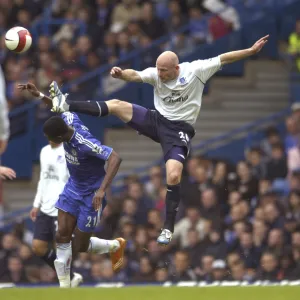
85, 157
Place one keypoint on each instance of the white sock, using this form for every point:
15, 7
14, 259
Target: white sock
63, 264
66, 106
100, 246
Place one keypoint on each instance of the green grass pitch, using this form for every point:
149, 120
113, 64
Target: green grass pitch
154, 293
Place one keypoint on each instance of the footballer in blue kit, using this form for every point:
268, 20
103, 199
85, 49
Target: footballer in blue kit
83, 199
86, 158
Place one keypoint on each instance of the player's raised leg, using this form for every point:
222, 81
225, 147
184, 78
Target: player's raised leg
121, 109
66, 226
174, 167
85, 243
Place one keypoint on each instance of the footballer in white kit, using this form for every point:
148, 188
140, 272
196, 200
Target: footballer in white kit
53, 178
178, 92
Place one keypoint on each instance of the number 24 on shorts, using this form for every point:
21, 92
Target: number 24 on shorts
183, 136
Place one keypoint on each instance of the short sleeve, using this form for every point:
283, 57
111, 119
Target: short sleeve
71, 119
206, 68
93, 147
148, 75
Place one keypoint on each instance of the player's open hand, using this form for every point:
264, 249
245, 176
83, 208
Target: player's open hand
30, 87
116, 72
7, 173
98, 198
33, 213
259, 44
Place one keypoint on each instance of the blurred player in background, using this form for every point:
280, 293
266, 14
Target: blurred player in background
4, 121
178, 92
5, 173
53, 177
83, 198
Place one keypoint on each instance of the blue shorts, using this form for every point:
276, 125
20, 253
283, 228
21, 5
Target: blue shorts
82, 208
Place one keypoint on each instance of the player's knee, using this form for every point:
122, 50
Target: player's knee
114, 105
121, 109
62, 236
174, 177
39, 249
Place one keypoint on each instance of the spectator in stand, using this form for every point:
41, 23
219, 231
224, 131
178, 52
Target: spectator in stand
272, 216
269, 268
293, 210
123, 13
257, 164
198, 26
15, 271
292, 137
210, 208
123, 44
294, 46
218, 27
247, 185
277, 165
191, 221
181, 270
271, 137
104, 10
219, 181
150, 24
156, 181
219, 271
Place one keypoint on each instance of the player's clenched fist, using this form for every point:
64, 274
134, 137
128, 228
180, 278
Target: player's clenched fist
116, 72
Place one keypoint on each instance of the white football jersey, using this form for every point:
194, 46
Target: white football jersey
53, 177
180, 99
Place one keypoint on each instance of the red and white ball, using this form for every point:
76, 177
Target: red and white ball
18, 39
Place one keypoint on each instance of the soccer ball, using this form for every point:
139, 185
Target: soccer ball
18, 39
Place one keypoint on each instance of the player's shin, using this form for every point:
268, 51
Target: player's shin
172, 203
100, 246
92, 108
49, 258
63, 264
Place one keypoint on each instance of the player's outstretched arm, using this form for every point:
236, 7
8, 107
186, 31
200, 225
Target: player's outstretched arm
32, 89
230, 57
128, 75
113, 165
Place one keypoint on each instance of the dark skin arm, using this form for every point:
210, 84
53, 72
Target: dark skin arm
32, 89
113, 165
113, 162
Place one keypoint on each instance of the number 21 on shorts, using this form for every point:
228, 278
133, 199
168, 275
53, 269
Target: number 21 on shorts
91, 221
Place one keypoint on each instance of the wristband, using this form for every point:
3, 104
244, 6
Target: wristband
41, 96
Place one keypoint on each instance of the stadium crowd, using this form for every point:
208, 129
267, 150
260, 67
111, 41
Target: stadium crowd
112, 30
237, 222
